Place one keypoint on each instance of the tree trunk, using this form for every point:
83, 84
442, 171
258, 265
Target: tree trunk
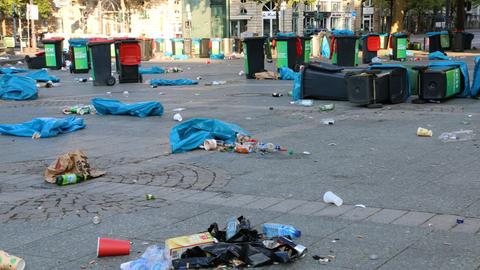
460, 21
277, 19
398, 14
4, 27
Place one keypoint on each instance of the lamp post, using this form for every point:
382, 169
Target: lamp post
283, 7
318, 14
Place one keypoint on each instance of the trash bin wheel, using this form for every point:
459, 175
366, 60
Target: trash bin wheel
111, 81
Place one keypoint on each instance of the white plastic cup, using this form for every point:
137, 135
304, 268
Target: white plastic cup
330, 197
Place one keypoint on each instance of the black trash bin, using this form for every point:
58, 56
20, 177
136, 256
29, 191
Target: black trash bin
53, 52
254, 56
468, 40
438, 41
205, 48
37, 61
458, 42
100, 57
345, 50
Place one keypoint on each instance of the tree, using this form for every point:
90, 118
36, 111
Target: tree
398, 15
460, 19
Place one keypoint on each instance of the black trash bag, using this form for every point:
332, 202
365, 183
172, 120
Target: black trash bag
193, 263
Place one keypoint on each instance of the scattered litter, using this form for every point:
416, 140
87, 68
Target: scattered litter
178, 109
161, 93
154, 257
125, 94
276, 94
266, 75
376, 60
275, 230
80, 109
373, 257
177, 117
330, 197
199, 78
241, 73
457, 136
150, 197
107, 247
81, 80
460, 221
360, 236
332, 144
360, 205
324, 259
328, 121
286, 73
109, 94
10, 262
327, 107
467, 120
70, 179
96, 220
93, 262
44, 127
270, 108
447, 244
248, 118
423, 132
303, 102
73, 162
306, 153
173, 70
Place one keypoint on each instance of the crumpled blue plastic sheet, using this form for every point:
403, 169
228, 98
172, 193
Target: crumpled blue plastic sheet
437, 56
11, 70
286, 73
431, 34
160, 82
45, 127
190, 134
42, 76
464, 70
217, 56
476, 78
152, 70
116, 107
325, 48
297, 86
14, 87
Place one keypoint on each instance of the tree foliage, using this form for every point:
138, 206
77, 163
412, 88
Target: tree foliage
45, 7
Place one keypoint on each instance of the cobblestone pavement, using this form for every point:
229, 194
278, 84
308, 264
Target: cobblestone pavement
414, 189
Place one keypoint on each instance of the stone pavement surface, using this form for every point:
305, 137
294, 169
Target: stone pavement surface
414, 189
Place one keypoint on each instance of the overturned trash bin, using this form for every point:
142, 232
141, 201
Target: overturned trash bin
443, 80
254, 56
53, 53
101, 72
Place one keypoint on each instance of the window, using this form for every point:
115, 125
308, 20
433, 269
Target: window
243, 1
243, 11
324, 6
335, 6
176, 2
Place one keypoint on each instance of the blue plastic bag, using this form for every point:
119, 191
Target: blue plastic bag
152, 70
17, 88
286, 73
115, 107
463, 68
160, 82
42, 76
45, 127
191, 134
437, 56
11, 70
476, 78
325, 48
297, 86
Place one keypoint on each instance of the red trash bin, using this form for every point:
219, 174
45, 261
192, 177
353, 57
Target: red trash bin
129, 59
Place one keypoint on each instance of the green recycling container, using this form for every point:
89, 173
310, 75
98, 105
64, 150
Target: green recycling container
53, 53
286, 48
306, 50
399, 46
79, 55
177, 46
196, 47
254, 56
440, 82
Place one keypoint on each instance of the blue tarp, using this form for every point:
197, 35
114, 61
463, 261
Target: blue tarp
217, 56
192, 133
42, 76
476, 78
463, 68
437, 56
391, 66
116, 107
342, 33
17, 88
45, 127
11, 70
152, 70
325, 48
286, 73
160, 82
286, 34
297, 86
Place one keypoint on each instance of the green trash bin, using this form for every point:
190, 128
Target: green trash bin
53, 52
439, 82
79, 55
345, 50
306, 50
399, 46
177, 47
196, 47
254, 56
159, 45
286, 48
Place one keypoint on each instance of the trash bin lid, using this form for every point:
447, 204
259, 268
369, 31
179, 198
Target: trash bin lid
365, 36
125, 41
306, 37
253, 38
53, 40
177, 39
338, 33
99, 41
130, 53
399, 35
78, 42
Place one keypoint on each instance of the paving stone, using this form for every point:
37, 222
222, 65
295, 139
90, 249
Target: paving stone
263, 203
179, 194
359, 213
386, 216
441, 222
220, 198
241, 200
199, 197
469, 225
413, 218
333, 211
309, 208
286, 205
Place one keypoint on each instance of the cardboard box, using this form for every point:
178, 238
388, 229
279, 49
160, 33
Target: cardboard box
176, 246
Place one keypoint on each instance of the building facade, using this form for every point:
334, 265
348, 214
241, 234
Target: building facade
332, 14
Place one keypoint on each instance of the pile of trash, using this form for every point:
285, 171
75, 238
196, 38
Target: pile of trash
239, 245
79, 109
243, 144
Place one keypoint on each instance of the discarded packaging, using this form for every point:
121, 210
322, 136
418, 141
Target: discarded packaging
70, 179
154, 258
149, 197
324, 259
266, 75
423, 132
327, 107
467, 120
303, 102
460, 221
360, 205
457, 136
178, 245
328, 121
177, 117
373, 257
330, 197
178, 109
96, 220
10, 262
80, 109
74, 162
210, 145
277, 94
306, 153
107, 247
241, 73
125, 94
272, 230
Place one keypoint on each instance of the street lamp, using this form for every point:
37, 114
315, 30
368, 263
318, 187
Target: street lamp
283, 7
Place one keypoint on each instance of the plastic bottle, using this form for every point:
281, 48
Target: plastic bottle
271, 230
154, 258
457, 136
70, 179
232, 227
303, 102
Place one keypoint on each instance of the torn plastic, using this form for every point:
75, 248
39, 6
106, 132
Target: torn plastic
43, 127
160, 82
14, 87
152, 70
42, 76
438, 55
115, 107
286, 73
457, 136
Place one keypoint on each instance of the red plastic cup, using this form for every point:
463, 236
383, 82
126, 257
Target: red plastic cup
112, 247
